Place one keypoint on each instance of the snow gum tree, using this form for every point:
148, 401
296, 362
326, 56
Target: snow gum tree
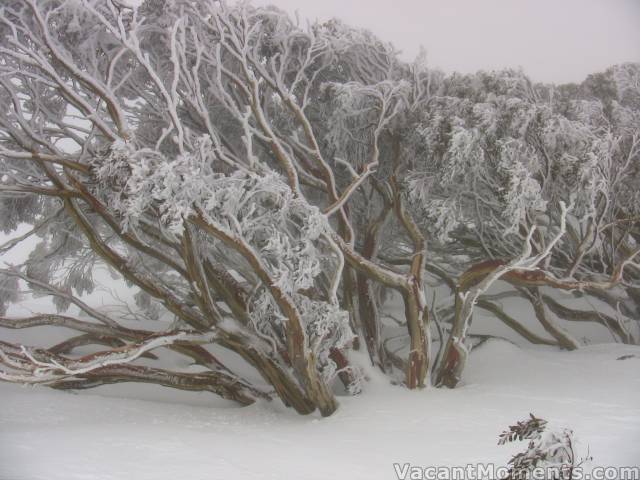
268, 189
511, 164
184, 145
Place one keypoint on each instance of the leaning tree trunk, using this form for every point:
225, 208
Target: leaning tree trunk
301, 359
455, 354
418, 367
564, 339
367, 305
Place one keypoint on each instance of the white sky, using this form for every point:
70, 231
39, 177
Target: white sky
553, 40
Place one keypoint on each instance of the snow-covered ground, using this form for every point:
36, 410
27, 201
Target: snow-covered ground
51, 435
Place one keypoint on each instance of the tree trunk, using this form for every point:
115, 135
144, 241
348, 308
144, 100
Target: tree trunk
417, 367
565, 340
455, 354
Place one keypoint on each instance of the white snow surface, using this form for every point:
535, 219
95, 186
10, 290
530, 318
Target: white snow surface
51, 435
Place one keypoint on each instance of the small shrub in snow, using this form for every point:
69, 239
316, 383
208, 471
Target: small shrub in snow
550, 451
